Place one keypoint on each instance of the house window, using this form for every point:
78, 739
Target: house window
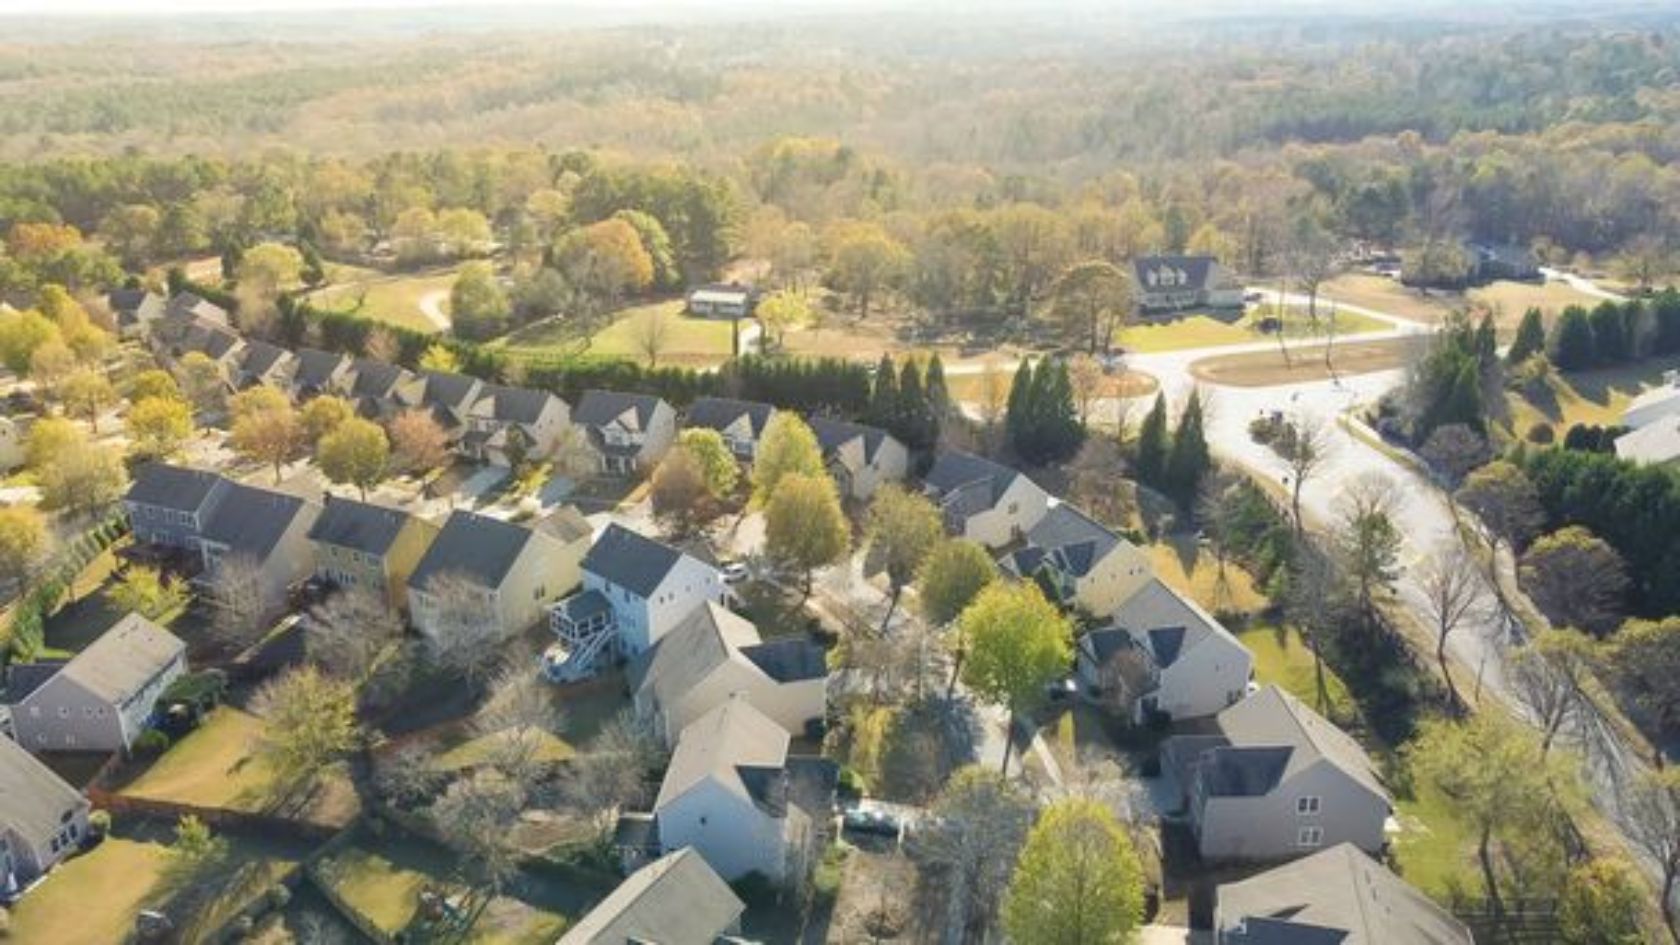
1307, 805
1309, 836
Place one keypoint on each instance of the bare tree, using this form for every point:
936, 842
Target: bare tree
518, 720
463, 634
346, 633
614, 772
1453, 451
1452, 595
1366, 543
476, 816
978, 825
1304, 446
1316, 605
1218, 508
1549, 675
408, 777
238, 600
1651, 812
650, 331
1085, 374
993, 400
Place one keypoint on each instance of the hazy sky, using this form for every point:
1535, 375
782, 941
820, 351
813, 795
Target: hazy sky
176, 7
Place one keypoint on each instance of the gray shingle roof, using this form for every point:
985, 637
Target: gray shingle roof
316, 367
630, 560
1274, 718
172, 487
675, 900
361, 526
514, 404
32, 798
788, 660
1337, 889
690, 651
375, 378
717, 413
1172, 273
734, 744
567, 524
833, 434
189, 305
1172, 622
123, 659
444, 389
477, 546
260, 357
252, 520
1071, 540
601, 407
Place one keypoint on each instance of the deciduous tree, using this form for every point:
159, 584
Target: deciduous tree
23, 542
356, 453
804, 527
309, 722
87, 393
270, 436
788, 446
718, 466
1452, 594
1091, 301
148, 592
418, 444
1018, 643
1576, 579
1078, 881
904, 527
975, 833
158, 427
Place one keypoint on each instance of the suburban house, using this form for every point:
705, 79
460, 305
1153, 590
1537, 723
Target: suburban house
265, 529
221, 344
14, 440
1653, 405
374, 386
675, 900
320, 372
446, 396
512, 571
505, 423
732, 794
263, 363
1655, 444
170, 506
722, 300
713, 654
1492, 261
860, 458
1177, 283
631, 432
739, 422
190, 306
1160, 656
42, 819
359, 544
635, 591
136, 310
103, 697
1276, 782
1079, 561
984, 501
1337, 896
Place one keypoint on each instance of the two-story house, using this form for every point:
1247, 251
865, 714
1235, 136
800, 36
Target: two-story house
631, 432
732, 793
739, 422
446, 396
265, 534
484, 569
1177, 283
103, 698
1337, 896
374, 386
713, 654
983, 501
674, 900
1081, 562
1161, 656
136, 310
506, 423
635, 590
42, 819
359, 544
321, 372
170, 506
1276, 782
859, 457
263, 363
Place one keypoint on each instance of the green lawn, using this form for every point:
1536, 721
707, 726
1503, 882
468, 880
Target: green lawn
695, 342
1434, 850
215, 766
92, 898
1206, 331
1283, 658
1590, 397
387, 298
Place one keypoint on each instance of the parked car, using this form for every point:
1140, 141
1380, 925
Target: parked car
734, 572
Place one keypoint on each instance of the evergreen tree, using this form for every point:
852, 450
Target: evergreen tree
1016, 421
1530, 340
1573, 345
1064, 434
915, 415
1610, 335
1487, 343
883, 401
1188, 461
1152, 444
938, 397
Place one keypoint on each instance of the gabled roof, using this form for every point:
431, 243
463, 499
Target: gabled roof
260, 357
717, 413
1272, 718
213, 339
601, 407
736, 746
1068, 539
191, 305
675, 900
566, 524
790, 659
967, 484
833, 434
135, 306
478, 546
360, 526
1335, 890
1654, 443
24, 678
316, 367
722, 292
123, 659
512, 404
172, 487
446, 389
375, 378
32, 797
1172, 273
707, 638
252, 520
1170, 623
631, 560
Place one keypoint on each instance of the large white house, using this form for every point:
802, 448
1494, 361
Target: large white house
635, 591
1653, 405
42, 819
1084, 563
984, 501
102, 699
1161, 656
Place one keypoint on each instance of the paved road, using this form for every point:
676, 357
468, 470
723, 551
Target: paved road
431, 306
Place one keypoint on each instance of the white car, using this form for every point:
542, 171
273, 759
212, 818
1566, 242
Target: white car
734, 572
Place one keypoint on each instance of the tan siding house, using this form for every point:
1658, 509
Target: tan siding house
358, 544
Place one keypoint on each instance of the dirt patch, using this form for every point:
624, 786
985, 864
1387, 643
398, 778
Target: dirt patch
1268, 368
883, 899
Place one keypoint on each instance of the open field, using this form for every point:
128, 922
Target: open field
1590, 397
1509, 300
388, 298
971, 388
1388, 296
692, 342
1267, 368
215, 766
1207, 331
92, 898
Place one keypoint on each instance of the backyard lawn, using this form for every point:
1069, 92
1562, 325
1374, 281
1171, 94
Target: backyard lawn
1283, 658
214, 766
1201, 580
397, 299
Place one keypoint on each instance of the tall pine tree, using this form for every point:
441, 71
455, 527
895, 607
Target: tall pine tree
1063, 432
938, 395
915, 416
1188, 460
1152, 444
883, 400
1015, 421
1530, 339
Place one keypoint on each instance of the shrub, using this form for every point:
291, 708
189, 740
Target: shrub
825, 880
279, 897
99, 823
151, 743
1541, 432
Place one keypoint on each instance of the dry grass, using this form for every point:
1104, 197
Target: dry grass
386, 298
1589, 397
1268, 368
971, 388
1509, 300
1180, 563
